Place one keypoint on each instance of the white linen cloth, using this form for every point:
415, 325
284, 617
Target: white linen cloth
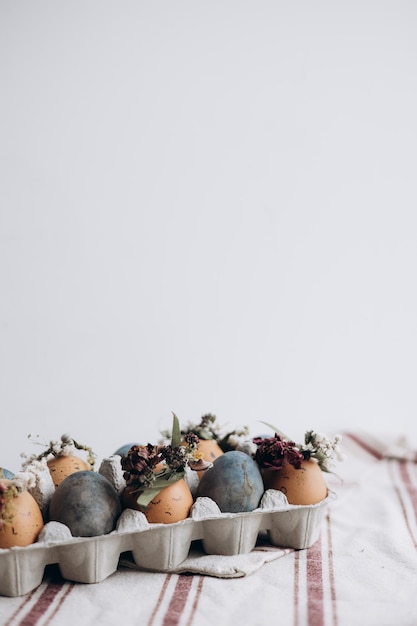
361, 571
223, 566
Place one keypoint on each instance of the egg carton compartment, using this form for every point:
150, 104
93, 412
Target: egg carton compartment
159, 547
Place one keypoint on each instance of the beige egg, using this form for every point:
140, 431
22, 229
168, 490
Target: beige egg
210, 449
27, 521
172, 504
62, 466
306, 485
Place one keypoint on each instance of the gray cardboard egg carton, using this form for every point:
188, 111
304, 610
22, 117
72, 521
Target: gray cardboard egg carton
159, 547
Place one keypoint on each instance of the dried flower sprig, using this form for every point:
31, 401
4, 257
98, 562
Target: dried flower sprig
20, 482
275, 452
238, 439
139, 465
206, 428
209, 429
66, 447
324, 450
7, 495
150, 468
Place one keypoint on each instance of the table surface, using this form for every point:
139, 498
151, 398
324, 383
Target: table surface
361, 571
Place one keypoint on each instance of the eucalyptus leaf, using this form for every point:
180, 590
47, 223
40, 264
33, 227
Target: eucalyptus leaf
146, 496
275, 429
161, 481
176, 432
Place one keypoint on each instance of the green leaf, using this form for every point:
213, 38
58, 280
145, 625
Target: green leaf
162, 480
275, 429
176, 432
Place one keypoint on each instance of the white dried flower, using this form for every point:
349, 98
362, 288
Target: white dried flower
66, 447
23, 481
248, 447
323, 449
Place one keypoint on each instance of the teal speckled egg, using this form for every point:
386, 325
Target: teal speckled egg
123, 450
87, 503
5, 473
234, 482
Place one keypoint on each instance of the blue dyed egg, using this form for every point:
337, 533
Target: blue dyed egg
234, 482
5, 473
87, 503
123, 450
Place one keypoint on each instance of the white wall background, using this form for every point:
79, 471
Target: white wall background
206, 206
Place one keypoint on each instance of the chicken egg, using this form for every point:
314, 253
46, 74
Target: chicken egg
62, 466
172, 504
26, 524
301, 486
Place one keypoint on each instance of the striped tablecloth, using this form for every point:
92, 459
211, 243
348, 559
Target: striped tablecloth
362, 571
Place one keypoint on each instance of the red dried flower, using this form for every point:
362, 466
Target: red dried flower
139, 464
275, 452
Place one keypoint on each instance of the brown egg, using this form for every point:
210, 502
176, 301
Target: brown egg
62, 466
26, 524
301, 486
172, 504
210, 449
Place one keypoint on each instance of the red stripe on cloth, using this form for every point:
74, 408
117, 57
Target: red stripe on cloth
364, 445
42, 605
160, 598
412, 491
296, 587
196, 599
315, 614
178, 600
21, 607
59, 604
403, 508
331, 570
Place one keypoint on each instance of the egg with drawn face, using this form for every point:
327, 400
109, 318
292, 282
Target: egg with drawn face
172, 504
23, 522
305, 485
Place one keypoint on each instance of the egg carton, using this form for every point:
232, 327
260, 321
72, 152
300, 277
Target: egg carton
159, 547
